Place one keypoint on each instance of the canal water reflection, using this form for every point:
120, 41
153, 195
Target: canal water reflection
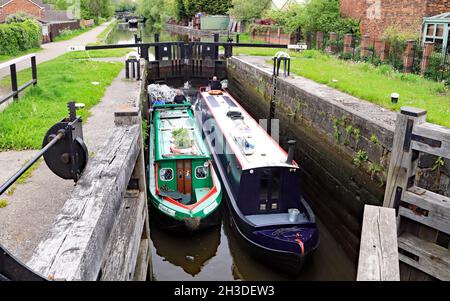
217, 254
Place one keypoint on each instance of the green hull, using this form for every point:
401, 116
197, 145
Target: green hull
205, 193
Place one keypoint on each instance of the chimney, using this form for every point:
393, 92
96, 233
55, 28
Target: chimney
290, 158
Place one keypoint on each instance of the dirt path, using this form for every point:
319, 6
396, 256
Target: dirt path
34, 205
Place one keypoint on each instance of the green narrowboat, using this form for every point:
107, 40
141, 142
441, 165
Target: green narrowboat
185, 191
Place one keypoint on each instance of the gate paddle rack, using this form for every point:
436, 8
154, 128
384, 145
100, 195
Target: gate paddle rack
66, 154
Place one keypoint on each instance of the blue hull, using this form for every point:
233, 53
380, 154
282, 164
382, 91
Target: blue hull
281, 255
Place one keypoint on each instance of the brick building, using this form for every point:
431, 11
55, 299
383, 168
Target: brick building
377, 15
53, 21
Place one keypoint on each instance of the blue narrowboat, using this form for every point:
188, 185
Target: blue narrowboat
265, 200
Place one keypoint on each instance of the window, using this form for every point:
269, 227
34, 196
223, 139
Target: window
201, 172
166, 174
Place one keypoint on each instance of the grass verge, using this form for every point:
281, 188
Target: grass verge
70, 34
101, 38
3, 203
368, 82
24, 123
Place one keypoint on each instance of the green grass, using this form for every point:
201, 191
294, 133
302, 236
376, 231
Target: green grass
23, 178
365, 81
101, 38
7, 57
3, 203
67, 35
24, 123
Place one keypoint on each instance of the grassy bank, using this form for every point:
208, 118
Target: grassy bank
101, 38
24, 123
70, 34
365, 81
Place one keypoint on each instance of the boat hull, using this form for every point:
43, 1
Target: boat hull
278, 257
168, 223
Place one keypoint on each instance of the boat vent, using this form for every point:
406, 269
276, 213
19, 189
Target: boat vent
235, 115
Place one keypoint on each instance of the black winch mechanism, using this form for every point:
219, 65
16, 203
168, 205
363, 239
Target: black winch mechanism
66, 155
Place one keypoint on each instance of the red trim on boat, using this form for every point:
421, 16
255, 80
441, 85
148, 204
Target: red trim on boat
188, 207
300, 243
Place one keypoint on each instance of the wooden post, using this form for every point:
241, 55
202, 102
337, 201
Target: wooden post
402, 167
378, 254
14, 86
427, 52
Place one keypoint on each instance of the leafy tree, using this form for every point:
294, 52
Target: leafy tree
96, 9
179, 10
248, 10
211, 7
324, 15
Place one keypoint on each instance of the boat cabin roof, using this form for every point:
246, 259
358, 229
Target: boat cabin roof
253, 146
177, 135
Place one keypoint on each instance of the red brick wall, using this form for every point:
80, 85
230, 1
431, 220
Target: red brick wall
377, 15
20, 5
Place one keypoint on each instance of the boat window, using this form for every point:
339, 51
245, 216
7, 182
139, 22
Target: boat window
264, 189
201, 172
166, 174
276, 180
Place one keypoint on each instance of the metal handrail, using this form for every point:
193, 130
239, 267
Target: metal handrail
15, 89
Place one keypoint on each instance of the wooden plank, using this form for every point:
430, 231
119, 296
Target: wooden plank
142, 265
76, 242
123, 246
436, 205
443, 151
431, 258
378, 257
433, 131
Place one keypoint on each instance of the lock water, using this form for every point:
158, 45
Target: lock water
217, 254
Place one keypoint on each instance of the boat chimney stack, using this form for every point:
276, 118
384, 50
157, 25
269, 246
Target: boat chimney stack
290, 158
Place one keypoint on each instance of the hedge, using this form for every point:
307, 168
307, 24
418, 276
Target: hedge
16, 37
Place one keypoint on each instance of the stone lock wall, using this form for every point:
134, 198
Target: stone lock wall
343, 145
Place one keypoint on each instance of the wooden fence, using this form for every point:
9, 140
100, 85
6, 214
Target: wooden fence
423, 217
102, 232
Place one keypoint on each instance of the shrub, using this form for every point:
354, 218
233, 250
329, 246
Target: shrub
16, 37
18, 17
438, 69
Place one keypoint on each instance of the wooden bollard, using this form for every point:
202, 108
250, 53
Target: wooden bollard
427, 52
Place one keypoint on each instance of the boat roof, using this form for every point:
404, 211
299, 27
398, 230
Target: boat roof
266, 151
168, 119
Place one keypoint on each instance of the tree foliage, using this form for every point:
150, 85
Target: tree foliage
211, 7
96, 9
248, 10
19, 36
314, 16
